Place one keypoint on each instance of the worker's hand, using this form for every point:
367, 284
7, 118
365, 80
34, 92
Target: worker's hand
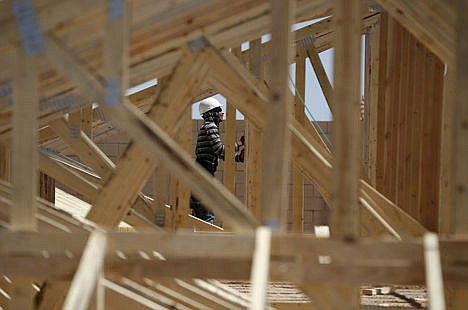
240, 150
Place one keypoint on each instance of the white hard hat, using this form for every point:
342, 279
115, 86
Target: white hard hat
208, 104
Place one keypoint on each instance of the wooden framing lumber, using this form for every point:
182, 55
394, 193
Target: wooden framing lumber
88, 273
182, 206
460, 126
276, 144
25, 110
298, 179
403, 261
345, 220
447, 170
253, 159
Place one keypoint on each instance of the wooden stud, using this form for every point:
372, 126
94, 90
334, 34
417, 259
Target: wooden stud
344, 222
88, 273
371, 93
25, 110
461, 124
254, 142
229, 178
447, 170
276, 143
298, 179
182, 207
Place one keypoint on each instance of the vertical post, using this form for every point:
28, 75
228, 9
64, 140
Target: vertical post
345, 214
25, 110
298, 178
460, 146
229, 140
446, 185
276, 149
183, 192
254, 140
371, 93
461, 123
344, 220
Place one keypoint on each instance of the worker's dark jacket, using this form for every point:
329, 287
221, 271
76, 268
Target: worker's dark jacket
209, 149
209, 146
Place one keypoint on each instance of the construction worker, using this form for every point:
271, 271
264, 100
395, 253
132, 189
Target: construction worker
209, 149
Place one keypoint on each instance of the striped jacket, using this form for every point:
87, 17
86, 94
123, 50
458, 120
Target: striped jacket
209, 146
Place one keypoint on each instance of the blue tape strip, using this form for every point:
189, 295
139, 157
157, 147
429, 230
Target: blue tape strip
115, 8
112, 95
28, 26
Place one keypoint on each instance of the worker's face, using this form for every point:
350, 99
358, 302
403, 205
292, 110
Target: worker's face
221, 116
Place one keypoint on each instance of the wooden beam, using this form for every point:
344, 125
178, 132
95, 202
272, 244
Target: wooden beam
229, 178
447, 165
276, 145
298, 178
253, 159
25, 110
461, 121
344, 221
431, 21
182, 206
88, 273
371, 95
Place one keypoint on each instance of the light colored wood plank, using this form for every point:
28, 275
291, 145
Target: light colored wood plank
88, 273
371, 95
447, 169
461, 121
253, 159
22, 294
260, 266
344, 220
276, 146
229, 177
298, 179
182, 206
25, 111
